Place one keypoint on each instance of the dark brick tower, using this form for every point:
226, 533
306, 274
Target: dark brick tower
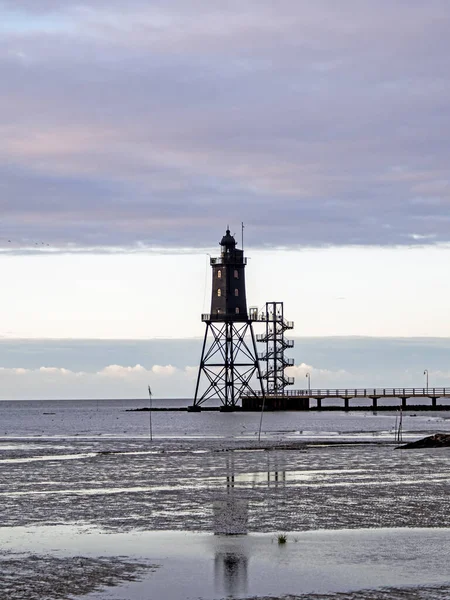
229, 362
228, 282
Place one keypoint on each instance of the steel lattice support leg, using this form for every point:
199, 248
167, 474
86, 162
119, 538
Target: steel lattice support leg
228, 365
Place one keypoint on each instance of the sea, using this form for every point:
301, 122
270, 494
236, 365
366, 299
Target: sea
100, 499
116, 418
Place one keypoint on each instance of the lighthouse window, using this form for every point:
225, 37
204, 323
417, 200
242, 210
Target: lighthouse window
236, 274
219, 292
219, 274
236, 292
237, 310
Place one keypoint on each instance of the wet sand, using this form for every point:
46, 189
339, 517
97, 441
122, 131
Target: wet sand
130, 485
358, 517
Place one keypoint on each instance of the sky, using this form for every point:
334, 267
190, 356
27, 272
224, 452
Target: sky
73, 369
133, 133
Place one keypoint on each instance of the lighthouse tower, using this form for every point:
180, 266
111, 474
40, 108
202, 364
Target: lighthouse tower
229, 362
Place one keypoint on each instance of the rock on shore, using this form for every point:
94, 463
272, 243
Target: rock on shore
438, 440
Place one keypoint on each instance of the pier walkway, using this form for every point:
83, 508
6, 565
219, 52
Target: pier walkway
301, 399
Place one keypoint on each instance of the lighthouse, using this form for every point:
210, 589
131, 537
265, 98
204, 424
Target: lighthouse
228, 301
229, 365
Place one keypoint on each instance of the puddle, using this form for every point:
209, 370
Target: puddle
212, 567
289, 476
48, 457
94, 491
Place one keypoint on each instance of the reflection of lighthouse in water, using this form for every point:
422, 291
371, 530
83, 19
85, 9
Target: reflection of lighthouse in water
230, 519
230, 511
231, 572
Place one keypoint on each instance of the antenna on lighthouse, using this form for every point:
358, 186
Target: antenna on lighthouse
242, 234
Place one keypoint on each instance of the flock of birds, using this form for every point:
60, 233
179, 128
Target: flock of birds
24, 243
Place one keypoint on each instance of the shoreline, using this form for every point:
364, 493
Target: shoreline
409, 408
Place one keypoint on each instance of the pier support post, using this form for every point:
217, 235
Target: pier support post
346, 403
433, 401
404, 398
374, 402
319, 403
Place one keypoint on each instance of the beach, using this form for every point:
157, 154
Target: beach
93, 508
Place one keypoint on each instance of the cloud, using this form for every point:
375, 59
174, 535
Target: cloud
139, 370
113, 381
167, 370
119, 371
302, 369
53, 371
319, 377
18, 371
315, 123
108, 369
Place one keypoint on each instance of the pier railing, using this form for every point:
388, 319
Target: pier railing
398, 392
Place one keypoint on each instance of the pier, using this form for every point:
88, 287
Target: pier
301, 399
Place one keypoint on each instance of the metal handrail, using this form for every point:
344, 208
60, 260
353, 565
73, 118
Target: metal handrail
288, 343
397, 392
225, 317
271, 318
219, 261
250, 316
